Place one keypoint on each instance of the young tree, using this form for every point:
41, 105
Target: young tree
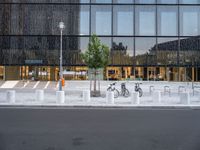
96, 57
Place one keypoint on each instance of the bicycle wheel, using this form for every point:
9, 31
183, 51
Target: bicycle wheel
140, 92
116, 93
125, 93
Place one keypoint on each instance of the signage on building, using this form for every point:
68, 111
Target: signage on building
31, 61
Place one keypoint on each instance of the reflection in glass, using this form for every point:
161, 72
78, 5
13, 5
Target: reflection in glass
167, 51
189, 51
123, 1
101, 1
106, 41
84, 43
145, 1
167, 2
84, 1
101, 20
189, 20
145, 20
189, 2
145, 51
167, 21
84, 20
123, 20
122, 51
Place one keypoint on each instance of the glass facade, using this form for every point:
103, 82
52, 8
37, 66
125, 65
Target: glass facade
147, 38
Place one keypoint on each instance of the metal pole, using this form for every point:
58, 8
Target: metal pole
61, 73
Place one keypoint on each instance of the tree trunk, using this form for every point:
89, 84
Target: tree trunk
95, 81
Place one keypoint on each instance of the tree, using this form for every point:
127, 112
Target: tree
96, 57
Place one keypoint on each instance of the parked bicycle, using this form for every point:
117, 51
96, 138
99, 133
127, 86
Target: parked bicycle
138, 89
112, 88
124, 91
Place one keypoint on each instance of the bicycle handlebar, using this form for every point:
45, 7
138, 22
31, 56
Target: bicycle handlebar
113, 83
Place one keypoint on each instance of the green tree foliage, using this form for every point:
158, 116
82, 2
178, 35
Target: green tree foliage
97, 54
95, 57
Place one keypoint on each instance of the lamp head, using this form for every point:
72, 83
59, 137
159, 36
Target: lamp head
61, 25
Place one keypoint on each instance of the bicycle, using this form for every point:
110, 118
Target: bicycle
138, 89
112, 88
124, 91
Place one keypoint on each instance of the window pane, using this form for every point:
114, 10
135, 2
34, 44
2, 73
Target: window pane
167, 51
189, 51
122, 51
49, 1
145, 1
123, 1
123, 20
167, 21
167, 1
32, 1
145, 20
61, 13
35, 19
84, 43
84, 1
101, 20
145, 51
84, 20
101, 1
106, 41
189, 20
15, 17
189, 2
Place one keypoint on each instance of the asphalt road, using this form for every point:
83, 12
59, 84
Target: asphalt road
99, 129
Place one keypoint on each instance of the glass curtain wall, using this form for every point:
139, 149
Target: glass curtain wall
148, 39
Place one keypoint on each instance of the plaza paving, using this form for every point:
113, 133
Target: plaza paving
25, 94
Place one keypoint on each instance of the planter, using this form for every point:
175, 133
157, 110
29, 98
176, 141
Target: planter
95, 93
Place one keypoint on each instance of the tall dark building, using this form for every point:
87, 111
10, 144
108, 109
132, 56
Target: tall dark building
148, 39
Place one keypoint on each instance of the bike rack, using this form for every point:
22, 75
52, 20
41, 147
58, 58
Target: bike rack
167, 90
197, 87
151, 89
181, 89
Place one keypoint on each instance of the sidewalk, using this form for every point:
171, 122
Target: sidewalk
74, 95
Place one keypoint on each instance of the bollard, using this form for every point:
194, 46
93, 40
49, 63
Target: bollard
156, 96
60, 97
185, 98
167, 90
11, 96
39, 95
135, 99
110, 97
86, 96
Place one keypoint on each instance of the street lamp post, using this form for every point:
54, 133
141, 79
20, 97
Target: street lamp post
61, 26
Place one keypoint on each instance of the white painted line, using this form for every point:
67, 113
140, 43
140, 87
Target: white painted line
57, 84
9, 84
47, 85
25, 84
36, 84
